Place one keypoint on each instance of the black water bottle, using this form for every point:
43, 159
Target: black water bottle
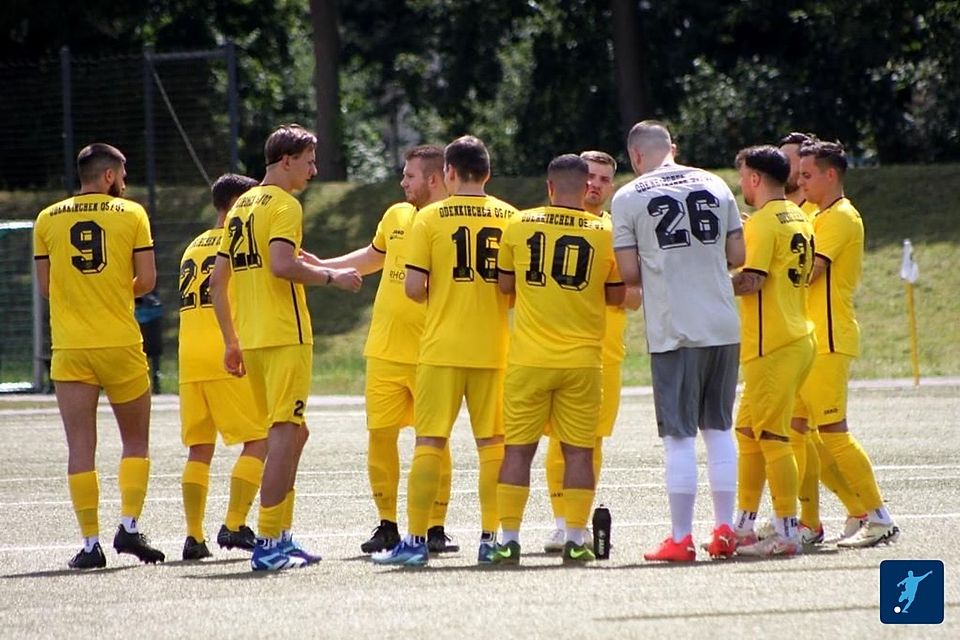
601, 532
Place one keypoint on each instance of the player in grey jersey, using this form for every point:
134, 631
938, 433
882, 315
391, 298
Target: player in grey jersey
677, 232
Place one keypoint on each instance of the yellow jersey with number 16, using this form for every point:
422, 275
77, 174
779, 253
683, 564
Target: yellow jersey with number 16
90, 240
270, 311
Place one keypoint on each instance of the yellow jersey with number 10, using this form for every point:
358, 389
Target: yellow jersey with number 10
90, 240
270, 311
456, 242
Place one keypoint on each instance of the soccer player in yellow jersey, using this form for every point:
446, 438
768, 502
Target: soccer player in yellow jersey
452, 267
272, 338
391, 351
559, 261
211, 400
837, 270
776, 349
600, 186
93, 254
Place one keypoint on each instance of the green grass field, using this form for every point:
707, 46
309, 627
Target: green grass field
915, 202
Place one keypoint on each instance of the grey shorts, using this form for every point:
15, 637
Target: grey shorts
694, 388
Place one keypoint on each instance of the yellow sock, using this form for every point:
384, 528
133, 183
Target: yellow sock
577, 503
85, 495
271, 519
855, 467
798, 443
133, 476
782, 476
490, 459
832, 479
244, 484
597, 460
286, 517
194, 484
383, 469
555, 468
511, 501
422, 487
810, 485
751, 473
438, 515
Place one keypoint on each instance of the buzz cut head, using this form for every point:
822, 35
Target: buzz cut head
96, 158
649, 136
568, 173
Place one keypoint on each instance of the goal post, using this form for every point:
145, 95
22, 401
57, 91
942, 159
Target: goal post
24, 344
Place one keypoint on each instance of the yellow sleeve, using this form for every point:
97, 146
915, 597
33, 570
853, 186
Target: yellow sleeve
379, 241
505, 257
759, 240
40, 249
144, 239
614, 277
224, 248
286, 223
419, 257
832, 234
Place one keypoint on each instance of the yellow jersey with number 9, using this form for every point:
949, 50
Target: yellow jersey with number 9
90, 240
270, 311
780, 244
456, 242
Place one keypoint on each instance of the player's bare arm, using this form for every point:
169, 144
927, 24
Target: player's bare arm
820, 265
43, 276
747, 282
736, 249
284, 263
614, 293
219, 284
633, 298
628, 261
415, 285
366, 260
507, 282
145, 272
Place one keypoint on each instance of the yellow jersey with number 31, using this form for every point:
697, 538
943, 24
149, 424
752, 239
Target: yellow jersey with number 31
270, 311
456, 242
780, 244
562, 261
90, 240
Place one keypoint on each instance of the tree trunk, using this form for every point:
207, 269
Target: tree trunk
326, 51
632, 86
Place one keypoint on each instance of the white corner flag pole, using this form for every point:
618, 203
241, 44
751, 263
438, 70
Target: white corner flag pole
909, 272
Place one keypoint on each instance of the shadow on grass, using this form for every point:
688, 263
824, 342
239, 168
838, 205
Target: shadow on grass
60, 573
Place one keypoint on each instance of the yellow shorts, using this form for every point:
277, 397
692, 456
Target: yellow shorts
224, 406
800, 407
825, 389
568, 398
441, 390
389, 393
612, 382
280, 380
770, 386
121, 371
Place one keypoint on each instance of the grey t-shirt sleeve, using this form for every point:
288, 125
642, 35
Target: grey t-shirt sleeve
624, 220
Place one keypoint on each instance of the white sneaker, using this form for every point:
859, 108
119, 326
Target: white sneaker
555, 541
775, 545
850, 528
588, 538
810, 536
765, 529
870, 535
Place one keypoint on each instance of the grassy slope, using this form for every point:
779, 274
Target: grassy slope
915, 202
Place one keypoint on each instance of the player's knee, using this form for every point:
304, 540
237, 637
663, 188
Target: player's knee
773, 450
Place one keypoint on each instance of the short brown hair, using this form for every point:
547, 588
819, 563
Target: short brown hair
96, 158
228, 187
826, 155
568, 172
600, 157
797, 137
469, 157
765, 159
287, 140
430, 154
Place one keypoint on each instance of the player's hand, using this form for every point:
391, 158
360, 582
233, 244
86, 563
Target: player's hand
233, 360
346, 279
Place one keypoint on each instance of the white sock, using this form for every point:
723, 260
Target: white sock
681, 514
90, 543
412, 539
786, 527
575, 535
880, 515
509, 535
561, 523
722, 472
745, 521
129, 524
680, 474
